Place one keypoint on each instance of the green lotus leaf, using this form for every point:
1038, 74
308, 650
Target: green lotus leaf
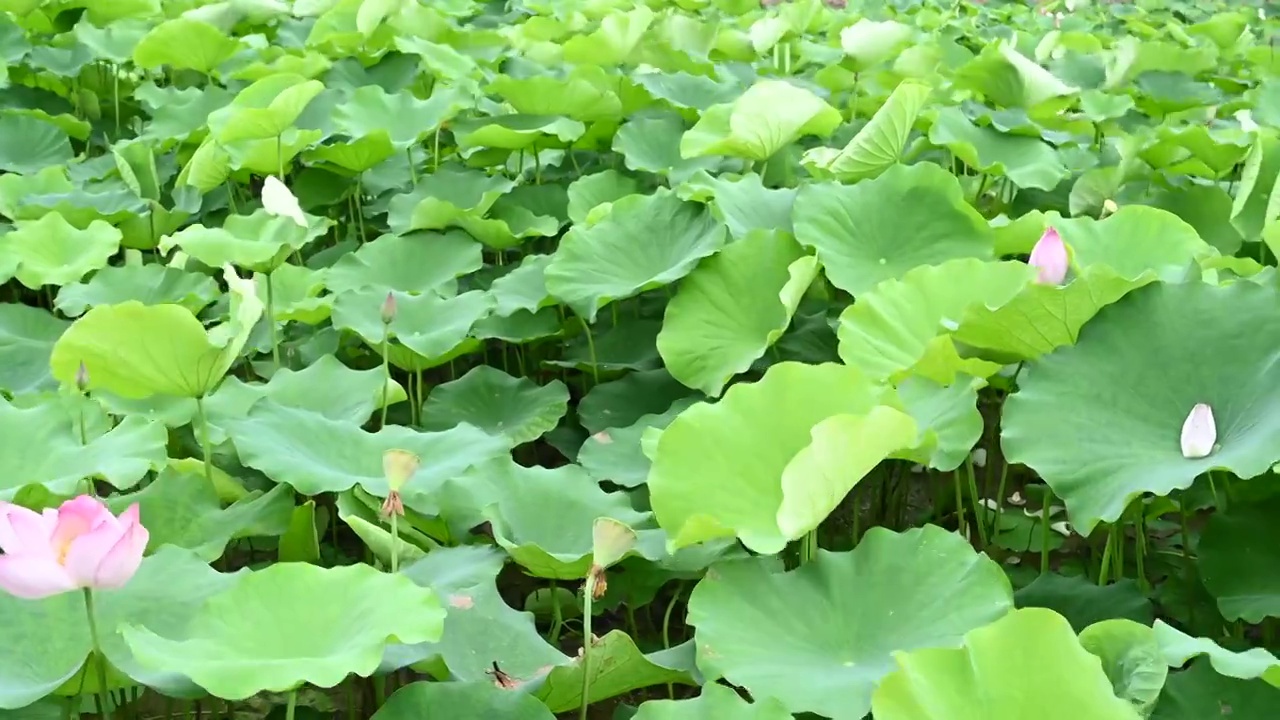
904, 326
719, 470
27, 337
1027, 663
435, 329
528, 211
646, 242
515, 132
616, 455
47, 642
732, 308
682, 90
295, 294
544, 522
743, 203
184, 44
1200, 692
401, 117
868, 43
45, 448
260, 242
414, 263
147, 284
317, 454
497, 403
443, 198
591, 191
947, 418
183, 509
1131, 658
617, 667
833, 645
879, 144
264, 111
1083, 602
1124, 356
479, 627
50, 251
1207, 208
1236, 551
137, 351
1251, 209
770, 115
460, 701
652, 144
1028, 162
523, 288
1178, 648
879, 229
356, 156
624, 401
1007, 77
586, 94
715, 703
267, 633
29, 144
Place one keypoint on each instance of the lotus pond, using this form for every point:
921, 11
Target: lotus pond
667, 360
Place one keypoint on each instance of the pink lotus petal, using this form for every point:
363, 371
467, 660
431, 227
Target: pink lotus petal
1199, 432
77, 517
87, 554
24, 531
1049, 257
120, 564
33, 578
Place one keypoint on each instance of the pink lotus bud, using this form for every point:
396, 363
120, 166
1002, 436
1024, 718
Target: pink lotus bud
1199, 432
79, 545
389, 309
82, 377
1049, 256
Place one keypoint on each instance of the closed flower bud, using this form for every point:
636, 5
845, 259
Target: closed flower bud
82, 377
1049, 258
389, 309
1199, 433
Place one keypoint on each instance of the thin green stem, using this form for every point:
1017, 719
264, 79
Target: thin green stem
557, 616
1187, 568
995, 516
115, 94
977, 502
205, 445
413, 171
591, 350
1044, 530
280, 156
1140, 544
395, 543
292, 707
666, 629
435, 152
960, 516
96, 639
587, 594
271, 322
1105, 568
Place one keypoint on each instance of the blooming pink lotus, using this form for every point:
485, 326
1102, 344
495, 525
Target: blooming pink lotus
79, 545
1049, 257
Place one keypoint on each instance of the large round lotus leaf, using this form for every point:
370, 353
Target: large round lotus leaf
42, 446
414, 263
617, 454
1239, 552
1131, 658
718, 469
515, 132
1199, 693
29, 144
432, 328
1026, 664
1028, 162
820, 638
1178, 647
1133, 242
652, 144
482, 700
51, 251
587, 93
264, 111
184, 43
645, 242
716, 702
295, 294
879, 229
617, 667
479, 627
948, 416
444, 197
497, 403
743, 202
148, 284
523, 288
731, 308
902, 326
879, 144
1083, 602
1101, 421
293, 624
624, 401
770, 115
27, 336
316, 454
137, 351
44, 643
259, 242
402, 117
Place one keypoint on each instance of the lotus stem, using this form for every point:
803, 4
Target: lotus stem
588, 593
1044, 530
960, 517
1105, 568
995, 517
666, 629
96, 639
977, 501
292, 707
413, 171
271, 322
205, 446
386, 374
591, 350
395, 543
557, 615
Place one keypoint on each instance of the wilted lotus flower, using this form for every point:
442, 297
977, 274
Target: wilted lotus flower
398, 466
80, 545
279, 201
611, 540
1049, 257
1199, 432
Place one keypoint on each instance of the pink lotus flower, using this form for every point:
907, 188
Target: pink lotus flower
79, 545
1049, 257
1199, 432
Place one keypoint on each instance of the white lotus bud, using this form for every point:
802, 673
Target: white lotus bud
1199, 432
979, 457
278, 200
